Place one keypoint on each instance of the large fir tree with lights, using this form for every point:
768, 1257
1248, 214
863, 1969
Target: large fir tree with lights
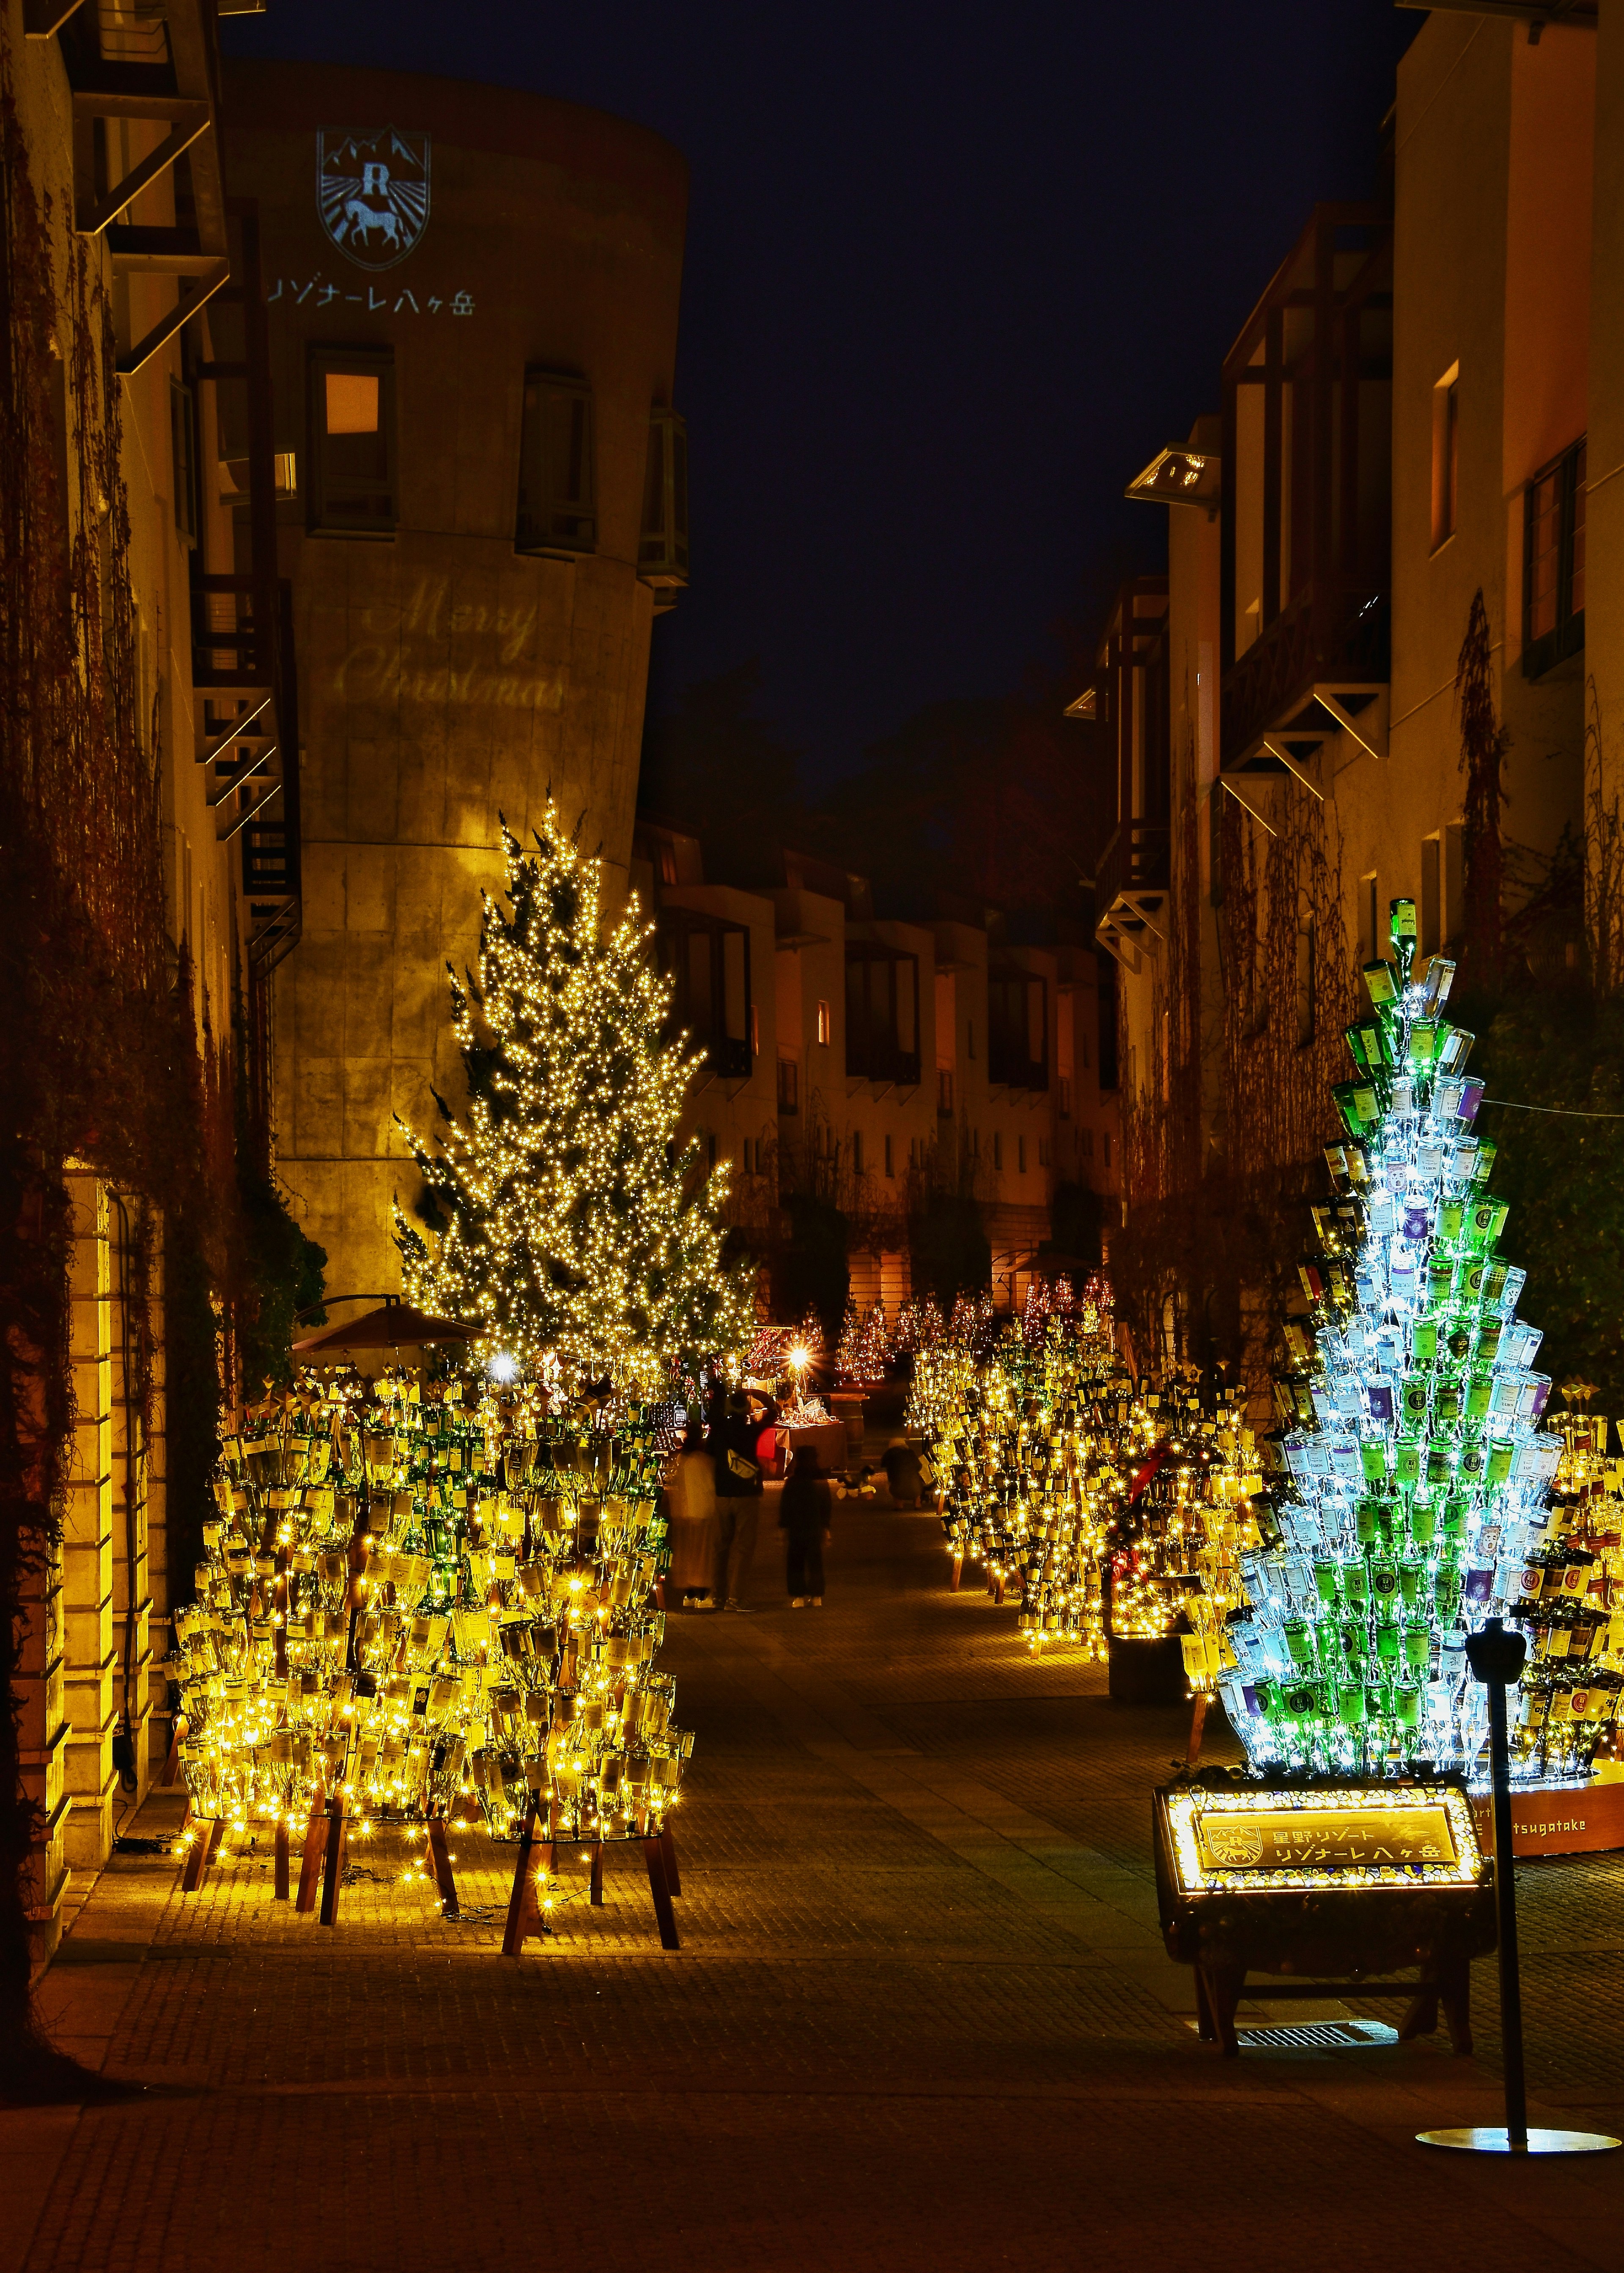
567, 1218
1412, 1501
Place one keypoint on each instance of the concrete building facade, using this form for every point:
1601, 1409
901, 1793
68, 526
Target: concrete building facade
872, 1060
473, 296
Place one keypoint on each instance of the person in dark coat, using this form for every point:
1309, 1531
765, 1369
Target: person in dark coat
805, 1513
738, 1500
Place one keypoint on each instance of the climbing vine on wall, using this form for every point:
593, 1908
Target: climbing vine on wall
1223, 1132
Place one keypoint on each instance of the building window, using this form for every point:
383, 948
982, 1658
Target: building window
662, 548
1304, 985
789, 1085
889, 1169
707, 962
352, 452
1553, 563
1018, 1031
882, 1016
945, 1089
1432, 897
1020, 1155
755, 1029
998, 1149
183, 449
857, 1152
825, 1025
557, 496
1446, 454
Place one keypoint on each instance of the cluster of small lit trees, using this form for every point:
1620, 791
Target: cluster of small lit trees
427, 1604
1106, 1506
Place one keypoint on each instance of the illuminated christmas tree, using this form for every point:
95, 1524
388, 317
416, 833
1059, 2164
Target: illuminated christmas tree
569, 1222
1416, 1473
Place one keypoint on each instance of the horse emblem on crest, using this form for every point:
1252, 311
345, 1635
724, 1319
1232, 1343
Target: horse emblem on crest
372, 192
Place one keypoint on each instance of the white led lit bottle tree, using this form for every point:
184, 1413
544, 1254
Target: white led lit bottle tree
573, 1223
1416, 1472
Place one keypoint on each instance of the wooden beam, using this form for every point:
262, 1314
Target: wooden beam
147, 170
42, 19
198, 287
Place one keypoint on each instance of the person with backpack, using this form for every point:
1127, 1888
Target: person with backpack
805, 1514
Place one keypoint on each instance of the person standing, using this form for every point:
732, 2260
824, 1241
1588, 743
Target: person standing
805, 1514
738, 1501
690, 1490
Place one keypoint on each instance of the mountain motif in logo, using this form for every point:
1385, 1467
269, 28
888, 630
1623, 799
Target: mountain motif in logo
372, 192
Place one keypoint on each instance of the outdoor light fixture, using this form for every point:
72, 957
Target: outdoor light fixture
1178, 475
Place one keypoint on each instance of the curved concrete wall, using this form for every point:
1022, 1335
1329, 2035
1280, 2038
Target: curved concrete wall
445, 677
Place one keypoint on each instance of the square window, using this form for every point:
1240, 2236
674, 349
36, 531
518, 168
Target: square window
352, 403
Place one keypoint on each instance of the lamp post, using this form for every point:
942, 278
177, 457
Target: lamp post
1496, 1659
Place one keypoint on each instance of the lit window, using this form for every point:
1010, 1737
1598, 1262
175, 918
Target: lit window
352, 486
825, 1024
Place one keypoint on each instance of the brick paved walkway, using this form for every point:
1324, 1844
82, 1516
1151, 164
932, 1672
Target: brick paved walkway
921, 2018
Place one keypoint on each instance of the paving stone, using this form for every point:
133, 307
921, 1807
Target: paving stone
920, 2017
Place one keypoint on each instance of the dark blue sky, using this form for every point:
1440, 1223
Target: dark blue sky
954, 273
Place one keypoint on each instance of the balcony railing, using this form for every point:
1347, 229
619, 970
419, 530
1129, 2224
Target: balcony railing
1337, 636
1139, 859
881, 1060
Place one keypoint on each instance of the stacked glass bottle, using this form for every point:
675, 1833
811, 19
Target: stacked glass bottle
1415, 1471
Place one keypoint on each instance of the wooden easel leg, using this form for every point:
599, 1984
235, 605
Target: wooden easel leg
215, 1838
661, 1893
597, 1874
668, 1856
1225, 1985
197, 1858
172, 1765
958, 1572
997, 1593
524, 1893
1203, 2026
310, 1867
1198, 1721
280, 1894
1455, 1993
659, 1592
333, 1875
440, 1855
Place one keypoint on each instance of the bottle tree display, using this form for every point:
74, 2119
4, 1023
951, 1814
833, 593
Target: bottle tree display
573, 1227
1415, 1469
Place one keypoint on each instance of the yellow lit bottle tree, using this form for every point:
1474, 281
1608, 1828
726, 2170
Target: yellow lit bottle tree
1416, 1468
575, 1228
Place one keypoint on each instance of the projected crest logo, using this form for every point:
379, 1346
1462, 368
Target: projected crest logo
372, 192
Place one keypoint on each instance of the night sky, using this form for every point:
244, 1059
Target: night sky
954, 273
